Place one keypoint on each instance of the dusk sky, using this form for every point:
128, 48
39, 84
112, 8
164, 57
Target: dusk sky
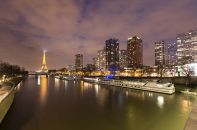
67, 27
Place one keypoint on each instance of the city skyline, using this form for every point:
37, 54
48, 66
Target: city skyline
66, 28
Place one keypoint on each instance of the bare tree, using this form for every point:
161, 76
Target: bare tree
161, 71
187, 72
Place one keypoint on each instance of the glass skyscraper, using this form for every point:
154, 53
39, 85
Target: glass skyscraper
112, 53
187, 47
135, 52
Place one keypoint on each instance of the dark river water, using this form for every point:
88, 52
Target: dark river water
52, 104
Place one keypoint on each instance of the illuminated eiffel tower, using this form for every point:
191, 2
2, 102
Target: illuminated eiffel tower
44, 66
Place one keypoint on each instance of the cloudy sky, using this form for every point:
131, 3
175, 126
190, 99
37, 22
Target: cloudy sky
67, 27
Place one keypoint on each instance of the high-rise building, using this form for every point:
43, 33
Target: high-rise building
171, 51
94, 62
89, 68
187, 47
70, 67
78, 61
134, 52
112, 54
123, 59
160, 53
101, 60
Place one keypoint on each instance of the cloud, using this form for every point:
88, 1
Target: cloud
67, 27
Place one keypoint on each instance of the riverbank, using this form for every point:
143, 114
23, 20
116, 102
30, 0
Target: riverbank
192, 120
13, 81
7, 92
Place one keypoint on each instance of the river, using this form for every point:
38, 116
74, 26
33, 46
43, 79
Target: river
52, 104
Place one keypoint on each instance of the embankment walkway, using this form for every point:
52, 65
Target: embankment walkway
192, 120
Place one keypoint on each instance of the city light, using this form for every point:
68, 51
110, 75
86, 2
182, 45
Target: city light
108, 64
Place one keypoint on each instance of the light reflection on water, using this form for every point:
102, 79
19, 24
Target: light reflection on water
57, 84
38, 80
96, 87
160, 101
157, 98
94, 107
43, 88
65, 83
101, 94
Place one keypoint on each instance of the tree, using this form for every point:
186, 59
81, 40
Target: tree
11, 70
161, 70
187, 72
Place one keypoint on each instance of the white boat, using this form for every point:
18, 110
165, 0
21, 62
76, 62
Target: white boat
70, 78
57, 77
6, 98
189, 92
93, 80
167, 88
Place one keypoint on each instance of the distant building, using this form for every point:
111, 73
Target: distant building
123, 59
112, 53
70, 67
187, 47
171, 51
44, 64
78, 61
97, 63
160, 53
101, 60
94, 62
134, 52
89, 68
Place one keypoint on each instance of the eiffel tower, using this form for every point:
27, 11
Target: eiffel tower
44, 66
